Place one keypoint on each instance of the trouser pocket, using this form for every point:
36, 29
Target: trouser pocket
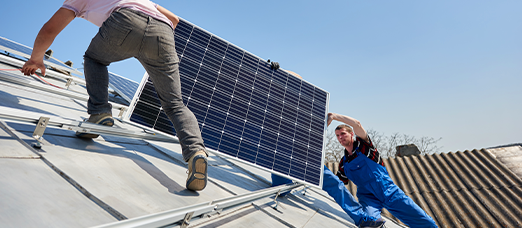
114, 29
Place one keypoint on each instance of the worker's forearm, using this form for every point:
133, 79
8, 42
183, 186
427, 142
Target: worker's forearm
345, 119
49, 31
355, 124
42, 42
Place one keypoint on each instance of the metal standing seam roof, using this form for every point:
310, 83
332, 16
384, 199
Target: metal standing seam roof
73, 182
462, 189
459, 189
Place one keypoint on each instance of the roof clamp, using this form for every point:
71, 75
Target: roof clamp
277, 202
213, 212
69, 82
186, 220
39, 131
303, 191
122, 110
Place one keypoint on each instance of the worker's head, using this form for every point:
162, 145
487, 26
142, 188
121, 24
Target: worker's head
344, 134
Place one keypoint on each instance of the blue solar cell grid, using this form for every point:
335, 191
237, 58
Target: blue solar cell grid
125, 87
24, 51
244, 109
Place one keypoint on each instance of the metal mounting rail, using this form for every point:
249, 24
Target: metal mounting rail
49, 73
20, 63
24, 81
49, 63
32, 117
179, 215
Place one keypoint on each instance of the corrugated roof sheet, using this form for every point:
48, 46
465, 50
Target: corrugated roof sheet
460, 189
511, 156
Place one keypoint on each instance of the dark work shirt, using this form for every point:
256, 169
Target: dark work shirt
365, 148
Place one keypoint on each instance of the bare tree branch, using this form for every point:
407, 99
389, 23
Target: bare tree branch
386, 145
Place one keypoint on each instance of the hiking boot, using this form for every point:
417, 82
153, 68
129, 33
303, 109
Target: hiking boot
197, 171
102, 119
379, 223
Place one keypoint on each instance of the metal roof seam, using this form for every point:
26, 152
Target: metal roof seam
113, 212
244, 170
12, 134
261, 208
319, 210
177, 161
221, 186
18, 157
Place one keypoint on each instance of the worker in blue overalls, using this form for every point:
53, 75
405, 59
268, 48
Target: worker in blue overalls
363, 165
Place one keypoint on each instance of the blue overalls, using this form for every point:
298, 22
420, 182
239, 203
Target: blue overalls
375, 190
336, 189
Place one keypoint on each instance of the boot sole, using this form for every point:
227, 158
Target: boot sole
198, 179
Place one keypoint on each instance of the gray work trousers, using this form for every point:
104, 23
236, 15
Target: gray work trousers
128, 33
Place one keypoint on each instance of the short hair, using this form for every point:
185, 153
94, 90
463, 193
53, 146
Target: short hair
344, 126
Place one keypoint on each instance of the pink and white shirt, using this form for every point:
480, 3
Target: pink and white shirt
97, 11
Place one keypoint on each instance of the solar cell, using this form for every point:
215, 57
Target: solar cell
24, 51
125, 87
244, 109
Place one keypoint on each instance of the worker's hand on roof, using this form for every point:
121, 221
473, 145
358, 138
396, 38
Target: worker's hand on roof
31, 66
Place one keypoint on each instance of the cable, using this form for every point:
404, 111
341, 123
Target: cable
36, 76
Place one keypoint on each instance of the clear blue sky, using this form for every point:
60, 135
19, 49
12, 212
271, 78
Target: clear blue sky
450, 69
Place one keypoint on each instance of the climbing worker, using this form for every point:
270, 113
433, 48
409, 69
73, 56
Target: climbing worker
363, 165
338, 191
129, 28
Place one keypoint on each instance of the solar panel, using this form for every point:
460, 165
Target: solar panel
244, 109
24, 51
125, 87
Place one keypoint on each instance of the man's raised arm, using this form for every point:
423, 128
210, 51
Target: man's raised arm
355, 124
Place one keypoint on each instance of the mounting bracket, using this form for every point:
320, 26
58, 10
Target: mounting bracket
39, 131
186, 220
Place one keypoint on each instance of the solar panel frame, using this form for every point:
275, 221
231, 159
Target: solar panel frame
229, 132
25, 51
